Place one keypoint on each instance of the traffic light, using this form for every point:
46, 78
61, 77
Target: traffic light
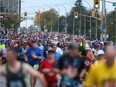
96, 4
76, 14
101, 15
25, 14
93, 13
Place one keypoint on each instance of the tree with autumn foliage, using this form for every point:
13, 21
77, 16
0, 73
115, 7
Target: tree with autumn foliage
46, 19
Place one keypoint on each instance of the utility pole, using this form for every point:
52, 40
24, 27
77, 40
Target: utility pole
73, 25
90, 28
19, 11
96, 25
84, 25
59, 24
104, 20
115, 24
80, 23
25, 15
97, 7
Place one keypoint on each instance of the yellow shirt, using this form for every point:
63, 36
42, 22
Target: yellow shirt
2, 46
101, 76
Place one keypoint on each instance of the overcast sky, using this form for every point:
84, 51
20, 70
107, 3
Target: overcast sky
31, 6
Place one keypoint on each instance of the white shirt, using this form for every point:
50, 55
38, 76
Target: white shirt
59, 50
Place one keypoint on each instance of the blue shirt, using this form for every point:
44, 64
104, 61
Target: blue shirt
57, 56
37, 51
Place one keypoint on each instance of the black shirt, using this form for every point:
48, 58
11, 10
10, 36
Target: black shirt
74, 62
15, 79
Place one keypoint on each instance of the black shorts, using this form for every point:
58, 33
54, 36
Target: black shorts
4, 60
34, 64
31, 65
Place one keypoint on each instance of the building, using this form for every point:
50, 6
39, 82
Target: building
9, 7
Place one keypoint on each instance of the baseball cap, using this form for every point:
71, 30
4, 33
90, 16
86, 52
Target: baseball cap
100, 52
87, 48
33, 41
73, 46
51, 50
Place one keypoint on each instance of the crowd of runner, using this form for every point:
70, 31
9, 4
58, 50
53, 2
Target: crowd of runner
57, 60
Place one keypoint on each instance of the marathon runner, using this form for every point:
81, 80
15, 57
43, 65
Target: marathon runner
35, 56
103, 74
16, 72
46, 68
71, 67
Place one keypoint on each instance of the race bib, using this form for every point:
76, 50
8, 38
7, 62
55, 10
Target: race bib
36, 66
86, 63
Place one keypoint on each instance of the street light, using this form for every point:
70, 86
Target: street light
85, 20
73, 17
66, 22
58, 16
115, 23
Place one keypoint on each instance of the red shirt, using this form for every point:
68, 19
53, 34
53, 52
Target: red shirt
47, 65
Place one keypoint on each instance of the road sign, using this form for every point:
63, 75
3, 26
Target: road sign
1, 16
28, 18
114, 3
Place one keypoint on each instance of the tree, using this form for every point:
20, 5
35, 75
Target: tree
79, 22
111, 25
10, 22
62, 24
78, 2
47, 19
81, 10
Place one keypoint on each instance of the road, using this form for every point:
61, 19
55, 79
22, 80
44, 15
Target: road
3, 82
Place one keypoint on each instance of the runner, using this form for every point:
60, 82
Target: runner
103, 74
47, 66
35, 55
71, 67
100, 56
15, 71
58, 51
2, 45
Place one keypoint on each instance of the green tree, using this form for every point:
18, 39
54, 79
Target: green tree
78, 2
10, 22
78, 26
62, 24
111, 25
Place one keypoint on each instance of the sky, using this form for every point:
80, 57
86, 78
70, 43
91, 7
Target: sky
32, 6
